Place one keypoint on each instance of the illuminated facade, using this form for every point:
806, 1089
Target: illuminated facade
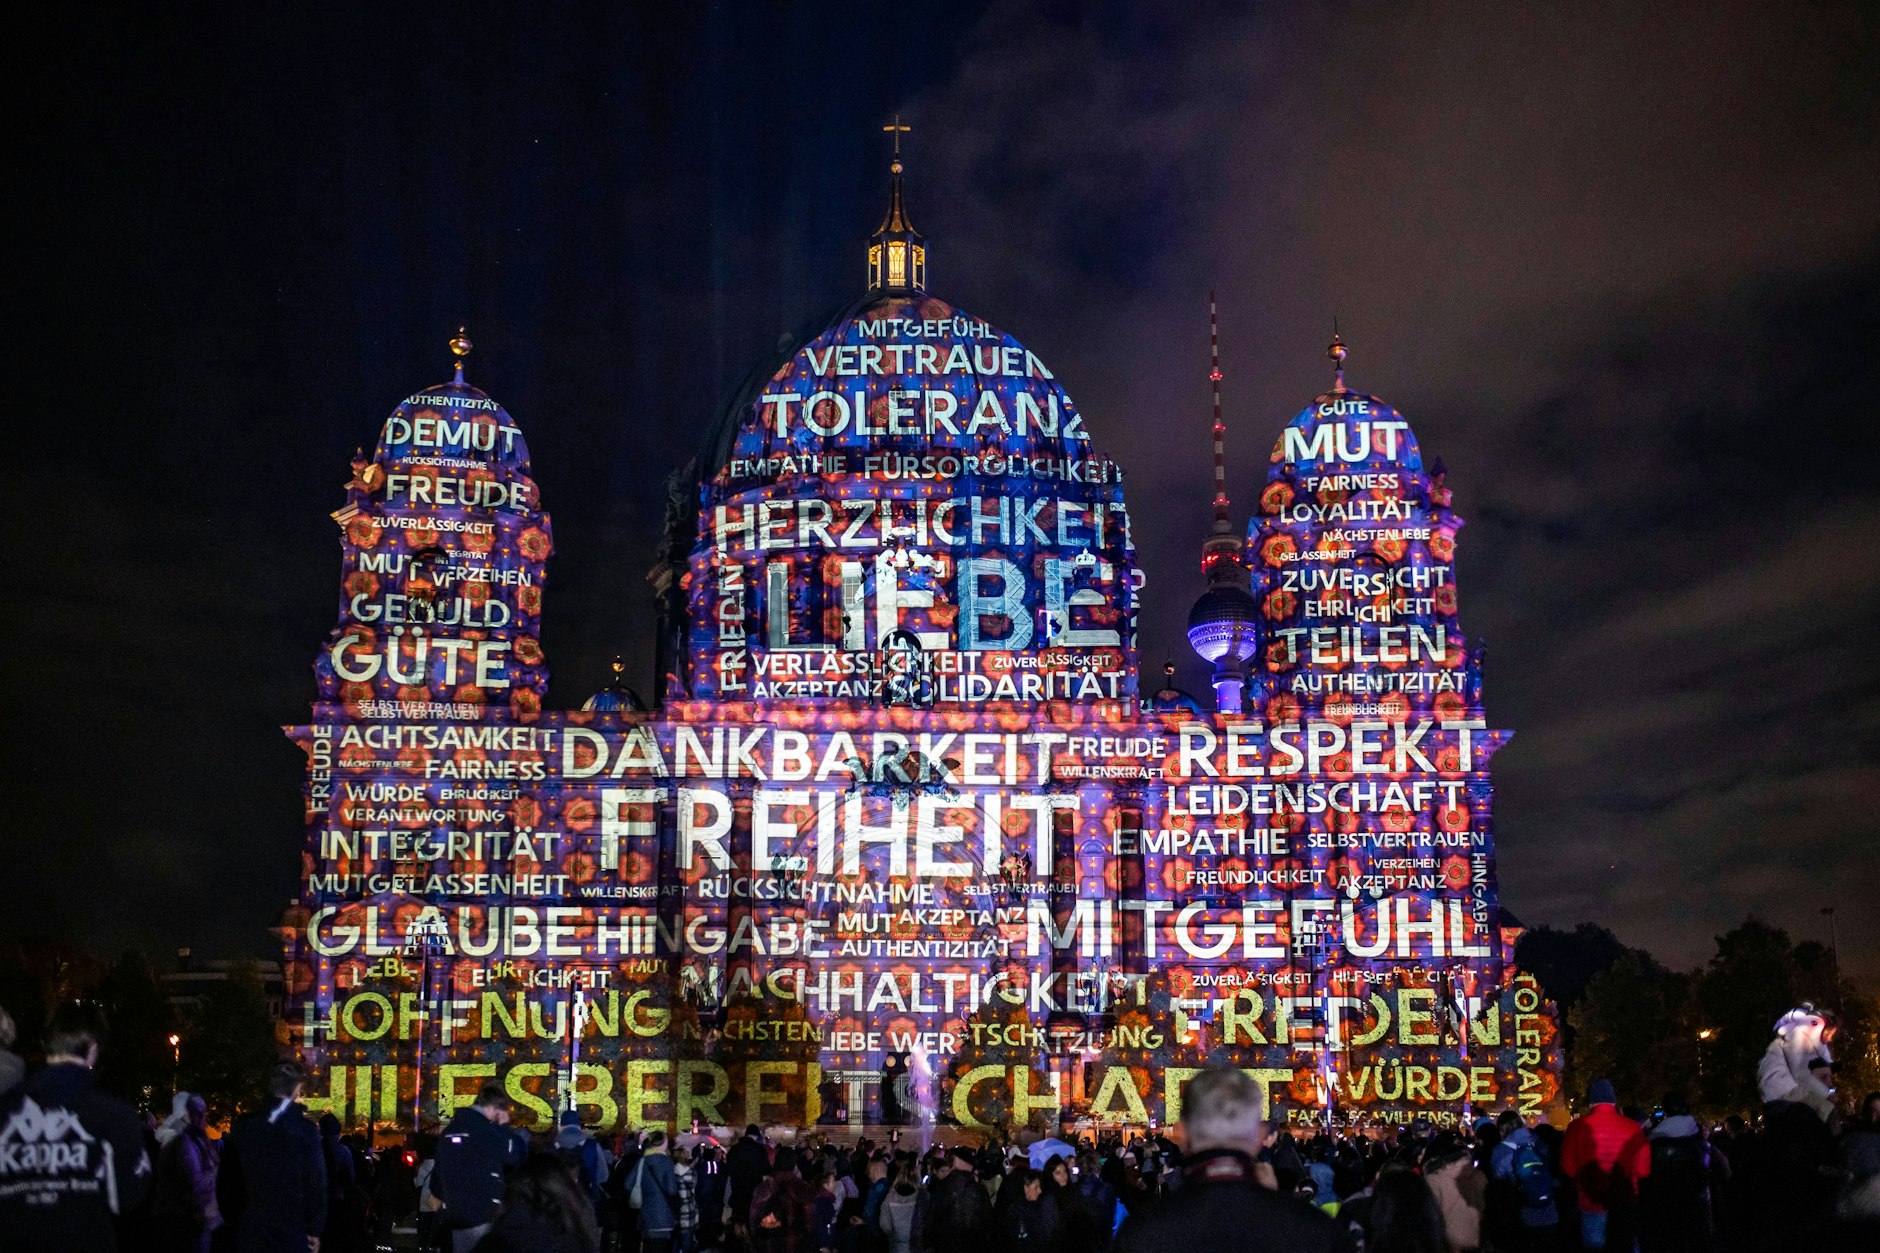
900, 805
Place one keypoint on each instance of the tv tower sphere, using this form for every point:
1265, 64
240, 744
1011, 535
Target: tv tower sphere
1224, 628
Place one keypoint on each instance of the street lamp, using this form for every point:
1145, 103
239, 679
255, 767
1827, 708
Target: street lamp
1702, 1037
176, 1050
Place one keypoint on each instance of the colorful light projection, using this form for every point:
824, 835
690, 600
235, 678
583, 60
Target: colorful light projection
911, 509
774, 901
444, 548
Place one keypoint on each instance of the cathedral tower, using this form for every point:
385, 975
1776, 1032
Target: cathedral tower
443, 546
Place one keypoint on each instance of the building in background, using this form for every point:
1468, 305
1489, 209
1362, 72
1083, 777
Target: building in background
185, 986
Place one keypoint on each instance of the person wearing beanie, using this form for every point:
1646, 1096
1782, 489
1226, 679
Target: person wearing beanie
1605, 1154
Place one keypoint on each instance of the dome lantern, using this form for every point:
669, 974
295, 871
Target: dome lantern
1337, 350
897, 253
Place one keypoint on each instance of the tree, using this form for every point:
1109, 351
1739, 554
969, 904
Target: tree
1741, 992
1857, 1045
35, 977
1756, 976
1633, 1026
25, 994
1565, 962
229, 1043
136, 1060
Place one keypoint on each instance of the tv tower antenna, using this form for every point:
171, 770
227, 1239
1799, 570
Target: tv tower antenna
1224, 625
1220, 552
1221, 522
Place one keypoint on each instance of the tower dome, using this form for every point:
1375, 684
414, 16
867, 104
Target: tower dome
1353, 546
1224, 622
616, 697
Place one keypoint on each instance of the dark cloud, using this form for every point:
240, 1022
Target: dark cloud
1619, 265
1619, 268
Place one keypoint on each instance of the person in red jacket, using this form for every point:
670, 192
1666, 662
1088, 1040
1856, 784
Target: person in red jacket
1605, 1154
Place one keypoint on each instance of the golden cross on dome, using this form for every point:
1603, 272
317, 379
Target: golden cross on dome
897, 128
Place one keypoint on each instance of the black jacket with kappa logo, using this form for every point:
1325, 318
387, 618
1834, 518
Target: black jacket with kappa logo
72, 1160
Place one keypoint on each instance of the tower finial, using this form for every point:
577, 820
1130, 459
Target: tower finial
1337, 352
460, 347
897, 255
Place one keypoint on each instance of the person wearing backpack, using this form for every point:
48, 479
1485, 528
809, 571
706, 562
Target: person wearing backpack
780, 1210
1674, 1199
473, 1155
1522, 1189
653, 1191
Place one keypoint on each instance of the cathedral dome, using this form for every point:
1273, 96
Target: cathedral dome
453, 446
906, 508
1340, 430
899, 373
1352, 547
909, 469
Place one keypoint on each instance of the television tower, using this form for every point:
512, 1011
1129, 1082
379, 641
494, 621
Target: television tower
1224, 624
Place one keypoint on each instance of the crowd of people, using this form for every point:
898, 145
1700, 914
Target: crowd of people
79, 1171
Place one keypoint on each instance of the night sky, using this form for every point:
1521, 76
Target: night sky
1619, 265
